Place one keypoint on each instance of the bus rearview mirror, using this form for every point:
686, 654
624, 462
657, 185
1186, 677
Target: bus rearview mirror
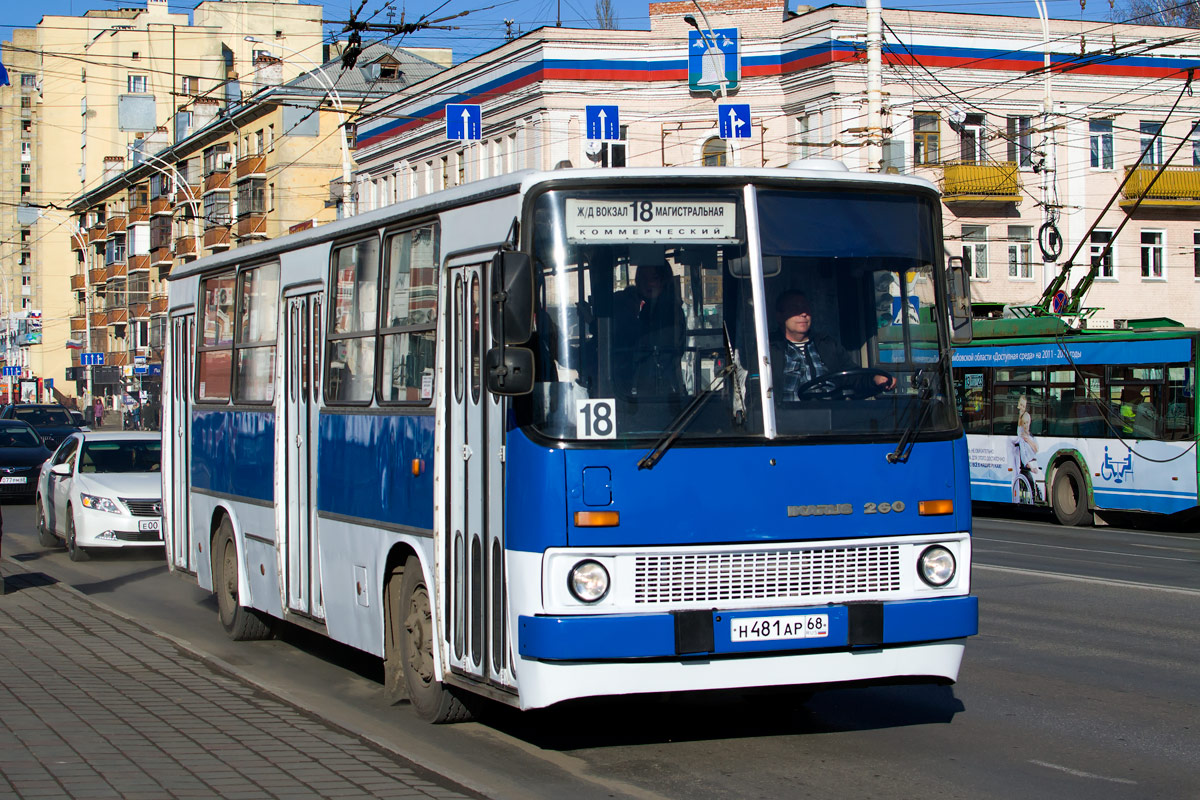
959, 283
512, 298
509, 370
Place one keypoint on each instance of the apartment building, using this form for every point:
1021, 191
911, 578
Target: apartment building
93, 87
1027, 158
271, 163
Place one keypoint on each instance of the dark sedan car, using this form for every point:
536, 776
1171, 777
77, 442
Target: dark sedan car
22, 453
52, 421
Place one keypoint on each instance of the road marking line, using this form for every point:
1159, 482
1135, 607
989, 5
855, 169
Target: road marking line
1081, 774
1077, 549
1082, 579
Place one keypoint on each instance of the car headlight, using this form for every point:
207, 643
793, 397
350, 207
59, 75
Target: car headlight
98, 503
588, 581
936, 566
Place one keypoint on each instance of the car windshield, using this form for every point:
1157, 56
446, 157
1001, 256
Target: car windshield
645, 295
19, 437
43, 416
121, 456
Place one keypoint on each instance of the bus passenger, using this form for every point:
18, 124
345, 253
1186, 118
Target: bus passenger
649, 334
803, 354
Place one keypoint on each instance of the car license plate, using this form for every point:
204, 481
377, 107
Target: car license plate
10, 479
767, 629
149, 525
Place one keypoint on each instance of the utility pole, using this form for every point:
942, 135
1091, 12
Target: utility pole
874, 85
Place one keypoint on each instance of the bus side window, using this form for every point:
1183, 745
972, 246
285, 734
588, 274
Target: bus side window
1180, 413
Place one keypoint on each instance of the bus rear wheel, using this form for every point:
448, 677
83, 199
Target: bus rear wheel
432, 700
240, 623
1069, 496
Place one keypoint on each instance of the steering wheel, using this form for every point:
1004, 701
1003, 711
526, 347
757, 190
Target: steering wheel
849, 384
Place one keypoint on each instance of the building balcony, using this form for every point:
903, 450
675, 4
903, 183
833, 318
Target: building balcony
158, 304
187, 193
216, 182
185, 247
117, 271
97, 276
78, 283
99, 319
1177, 187
160, 206
252, 167
998, 182
117, 358
217, 238
113, 225
139, 263
118, 316
252, 226
160, 256
79, 324
139, 214
139, 310
95, 234
79, 240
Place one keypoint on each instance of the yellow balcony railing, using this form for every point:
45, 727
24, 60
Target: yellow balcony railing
1177, 187
995, 182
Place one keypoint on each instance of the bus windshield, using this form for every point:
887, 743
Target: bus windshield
645, 297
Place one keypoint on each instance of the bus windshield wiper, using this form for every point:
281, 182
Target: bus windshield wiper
927, 384
685, 417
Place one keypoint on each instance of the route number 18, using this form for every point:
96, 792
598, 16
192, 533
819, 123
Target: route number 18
596, 419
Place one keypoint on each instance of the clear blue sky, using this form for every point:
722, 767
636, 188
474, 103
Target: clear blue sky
484, 28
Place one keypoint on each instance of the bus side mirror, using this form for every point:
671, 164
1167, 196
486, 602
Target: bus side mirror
512, 298
509, 370
959, 284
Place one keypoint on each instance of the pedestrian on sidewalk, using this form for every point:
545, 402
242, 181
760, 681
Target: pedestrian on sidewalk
98, 414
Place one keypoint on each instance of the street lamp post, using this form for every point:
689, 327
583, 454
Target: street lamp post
318, 72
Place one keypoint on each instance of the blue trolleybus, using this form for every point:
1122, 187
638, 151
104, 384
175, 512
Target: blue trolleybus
546, 436
1081, 421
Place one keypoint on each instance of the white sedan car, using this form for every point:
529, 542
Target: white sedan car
101, 490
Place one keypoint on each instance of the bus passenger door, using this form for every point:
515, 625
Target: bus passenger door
177, 426
301, 555
474, 533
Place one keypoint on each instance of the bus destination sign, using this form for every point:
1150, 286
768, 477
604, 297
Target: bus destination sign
617, 221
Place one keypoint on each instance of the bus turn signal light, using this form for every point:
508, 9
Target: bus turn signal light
597, 519
932, 508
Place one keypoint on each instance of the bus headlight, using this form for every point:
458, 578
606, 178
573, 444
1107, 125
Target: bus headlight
588, 581
936, 566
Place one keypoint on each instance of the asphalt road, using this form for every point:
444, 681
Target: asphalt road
1081, 684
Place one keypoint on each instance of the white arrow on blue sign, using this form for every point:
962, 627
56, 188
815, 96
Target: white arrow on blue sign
603, 123
91, 359
733, 120
9, 371
464, 123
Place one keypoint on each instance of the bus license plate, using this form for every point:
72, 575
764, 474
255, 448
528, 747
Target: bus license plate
766, 629
149, 525
12, 480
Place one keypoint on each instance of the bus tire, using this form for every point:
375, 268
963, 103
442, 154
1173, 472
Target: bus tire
240, 623
433, 701
1069, 496
394, 689
45, 537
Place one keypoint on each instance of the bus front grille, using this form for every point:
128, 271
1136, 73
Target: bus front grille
827, 572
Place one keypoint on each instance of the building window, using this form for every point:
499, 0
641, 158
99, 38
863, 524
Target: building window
1151, 142
189, 85
216, 209
714, 153
972, 149
974, 238
1019, 141
1020, 252
1152, 254
28, 80
1196, 253
26, 151
1101, 132
137, 84
926, 139
1100, 240
612, 154
252, 197
217, 159
803, 134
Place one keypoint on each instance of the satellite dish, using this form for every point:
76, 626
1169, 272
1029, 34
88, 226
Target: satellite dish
593, 147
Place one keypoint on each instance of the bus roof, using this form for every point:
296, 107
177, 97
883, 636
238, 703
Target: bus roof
527, 180
1052, 326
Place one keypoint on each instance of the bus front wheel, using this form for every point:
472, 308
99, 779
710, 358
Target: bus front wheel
240, 623
1069, 496
432, 700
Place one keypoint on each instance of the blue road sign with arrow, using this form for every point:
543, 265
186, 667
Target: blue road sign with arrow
603, 123
91, 359
733, 120
464, 123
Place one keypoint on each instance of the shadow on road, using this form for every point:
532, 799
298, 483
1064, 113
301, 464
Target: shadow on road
112, 584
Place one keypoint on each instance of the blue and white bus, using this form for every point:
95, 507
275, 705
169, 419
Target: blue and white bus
522, 438
1081, 421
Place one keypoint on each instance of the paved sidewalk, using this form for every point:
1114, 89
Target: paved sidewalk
95, 706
